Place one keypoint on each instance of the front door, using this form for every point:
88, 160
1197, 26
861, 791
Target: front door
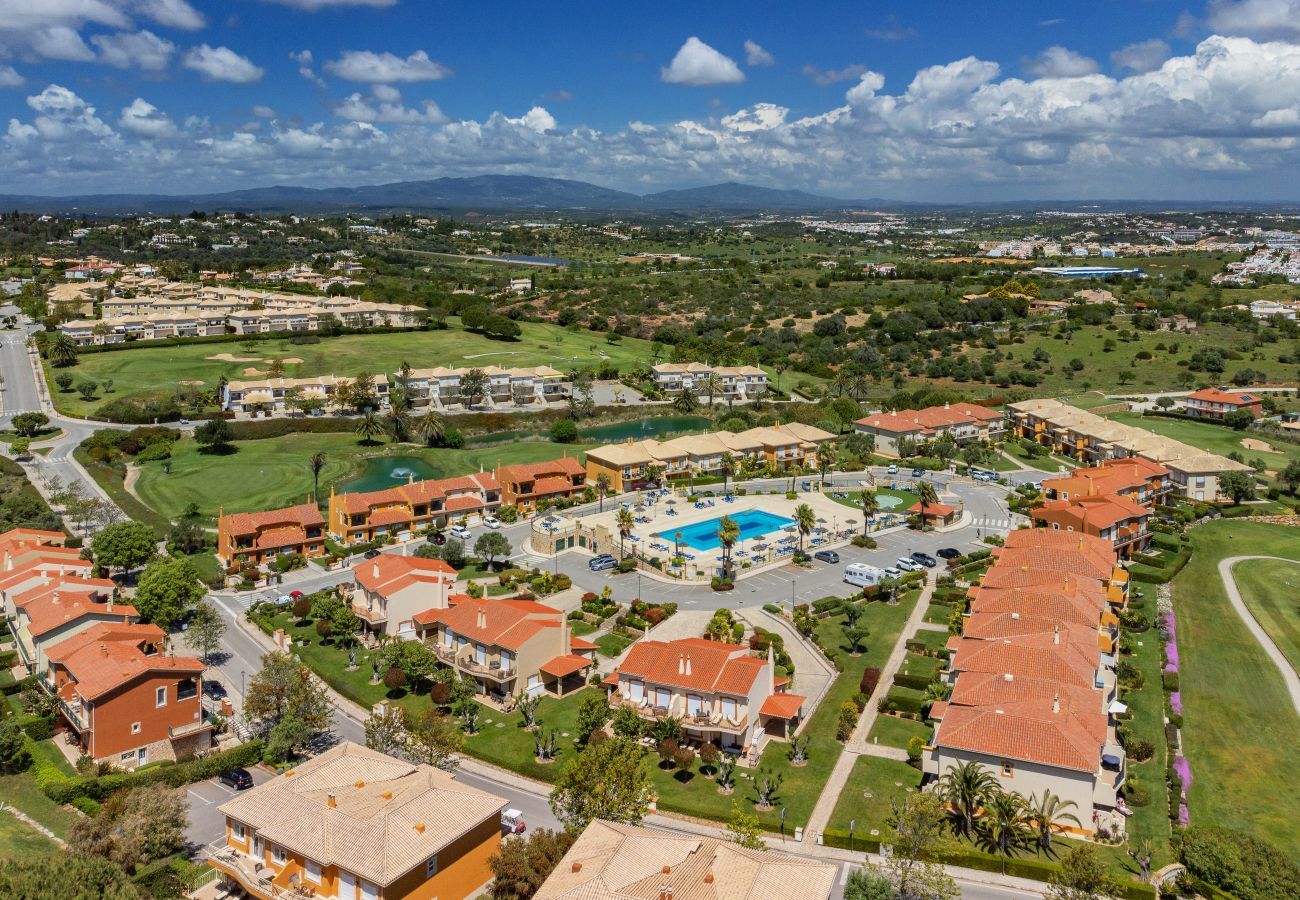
142, 756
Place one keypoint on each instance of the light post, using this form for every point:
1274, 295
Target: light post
241, 687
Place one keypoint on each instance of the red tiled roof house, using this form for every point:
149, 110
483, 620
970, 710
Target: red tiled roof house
388, 591
260, 537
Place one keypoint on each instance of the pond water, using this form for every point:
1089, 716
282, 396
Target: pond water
388, 471
638, 429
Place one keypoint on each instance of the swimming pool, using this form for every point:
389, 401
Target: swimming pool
754, 523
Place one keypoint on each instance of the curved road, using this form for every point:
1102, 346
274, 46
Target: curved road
1284, 667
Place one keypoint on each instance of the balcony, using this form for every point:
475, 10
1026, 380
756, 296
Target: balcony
75, 714
179, 731
252, 876
495, 671
370, 614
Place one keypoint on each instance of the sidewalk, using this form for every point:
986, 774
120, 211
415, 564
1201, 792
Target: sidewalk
857, 742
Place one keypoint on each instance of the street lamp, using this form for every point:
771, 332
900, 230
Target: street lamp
241, 686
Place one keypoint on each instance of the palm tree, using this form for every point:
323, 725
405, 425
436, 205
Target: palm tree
926, 493
399, 423
825, 457
368, 426
317, 462
728, 467
805, 518
1046, 813
795, 470
431, 427
711, 386
778, 367
61, 351
728, 534
603, 485
858, 386
625, 524
870, 504
966, 788
1006, 820
686, 401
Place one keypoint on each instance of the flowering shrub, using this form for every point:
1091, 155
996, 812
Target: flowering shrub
1171, 645
1176, 702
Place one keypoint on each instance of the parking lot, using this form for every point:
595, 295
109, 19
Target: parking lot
207, 824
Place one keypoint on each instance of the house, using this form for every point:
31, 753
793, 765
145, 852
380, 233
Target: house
1133, 478
278, 395
507, 646
609, 861
732, 383
1037, 556
1095, 296
387, 591
936, 515
355, 823
964, 422
1215, 403
722, 693
46, 614
441, 387
18, 540
258, 538
1179, 324
1273, 309
526, 485
125, 699
1123, 522
399, 512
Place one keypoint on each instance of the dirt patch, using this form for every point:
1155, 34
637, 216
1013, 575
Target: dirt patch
1253, 444
292, 360
190, 382
228, 357
250, 372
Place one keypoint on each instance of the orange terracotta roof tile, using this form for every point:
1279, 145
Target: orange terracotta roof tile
301, 516
930, 419
782, 705
505, 623
1231, 398
99, 668
694, 663
565, 665
1066, 662
1023, 732
389, 573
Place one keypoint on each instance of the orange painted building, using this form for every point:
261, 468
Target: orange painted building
356, 824
401, 511
1132, 478
1121, 522
260, 537
125, 699
527, 484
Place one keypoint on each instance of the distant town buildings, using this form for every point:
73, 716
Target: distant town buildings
738, 383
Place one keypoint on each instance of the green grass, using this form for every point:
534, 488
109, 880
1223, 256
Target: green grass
1147, 706
611, 645
1044, 462
1270, 589
111, 480
18, 839
916, 664
894, 731
1239, 729
1212, 438
578, 628
156, 371
885, 780
273, 472
21, 792
938, 613
932, 640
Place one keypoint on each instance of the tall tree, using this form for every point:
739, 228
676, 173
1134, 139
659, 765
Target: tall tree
966, 788
369, 426
1006, 821
869, 503
921, 837
605, 781
61, 351
711, 387
125, 546
727, 465
624, 522
521, 865
825, 457
1047, 813
603, 485
214, 435
431, 427
285, 689
206, 628
317, 464
728, 534
1084, 875
805, 519
134, 827
434, 739
473, 387
928, 496
686, 401
168, 587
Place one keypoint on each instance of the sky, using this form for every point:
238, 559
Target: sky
924, 101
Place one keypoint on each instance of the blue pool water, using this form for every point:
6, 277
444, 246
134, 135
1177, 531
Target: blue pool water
754, 523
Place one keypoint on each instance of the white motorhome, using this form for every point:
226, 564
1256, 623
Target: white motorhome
863, 575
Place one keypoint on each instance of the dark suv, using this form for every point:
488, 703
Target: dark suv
925, 559
239, 779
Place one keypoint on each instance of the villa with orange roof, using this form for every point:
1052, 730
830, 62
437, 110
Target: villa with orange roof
125, 699
1035, 556
260, 537
1132, 478
527, 484
45, 615
16, 540
1215, 403
723, 693
507, 646
33, 573
1124, 523
965, 422
400, 512
936, 515
388, 591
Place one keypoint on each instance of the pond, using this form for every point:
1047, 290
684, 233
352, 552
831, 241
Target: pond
639, 429
388, 471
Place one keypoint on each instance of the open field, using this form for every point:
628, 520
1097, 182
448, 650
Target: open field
273, 472
156, 371
1271, 590
1239, 730
1214, 438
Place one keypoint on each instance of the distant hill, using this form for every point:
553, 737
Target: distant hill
484, 192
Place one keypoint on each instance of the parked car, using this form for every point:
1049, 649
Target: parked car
370, 554
214, 689
948, 553
283, 600
918, 472
460, 532
893, 469
892, 572
436, 537
239, 779
925, 559
183, 421
829, 556
907, 564
602, 562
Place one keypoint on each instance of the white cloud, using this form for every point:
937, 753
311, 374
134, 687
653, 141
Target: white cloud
59, 42
142, 50
755, 55
263, 112
834, 76
536, 119
146, 120
1142, 56
317, 5
1265, 19
25, 15
382, 68
221, 64
1059, 62
304, 60
9, 77
696, 63
891, 29
759, 117
387, 108
62, 116
865, 89
171, 13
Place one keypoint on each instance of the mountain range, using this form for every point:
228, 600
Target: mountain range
481, 192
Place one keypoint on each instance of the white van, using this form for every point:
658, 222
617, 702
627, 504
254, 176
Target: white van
863, 575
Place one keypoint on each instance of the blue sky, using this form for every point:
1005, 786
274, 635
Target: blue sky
921, 100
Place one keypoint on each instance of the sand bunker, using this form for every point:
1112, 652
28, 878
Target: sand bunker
250, 372
292, 360
226, 357
1252, 444
192, 383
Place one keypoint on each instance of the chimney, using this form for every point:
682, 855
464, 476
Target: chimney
375, 570
1008, 677
681, 664
330, 801
359, 783
576, 867
482, 618
667, 870
56, 598
1056, 634
708, 878
419, 827
1056, 703
103, 648
688, 664
1015, 615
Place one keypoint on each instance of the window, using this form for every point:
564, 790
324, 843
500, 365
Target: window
278, 856
160, 697
128, 756
313, 872
1008, 769
187, 689
431, 867
729, 708
135, 727
238, 832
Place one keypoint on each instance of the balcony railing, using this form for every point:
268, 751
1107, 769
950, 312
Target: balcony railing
373, 615
495, 671
76, 715
179, 731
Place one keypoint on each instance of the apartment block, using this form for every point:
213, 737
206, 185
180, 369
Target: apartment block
48, 613
399, 512
441, 388
734, 383
1124, 523
258, 538
526, 485
1133, 478
964, 422
1215, 403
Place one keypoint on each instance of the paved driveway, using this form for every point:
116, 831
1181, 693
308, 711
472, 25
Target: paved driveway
207, 824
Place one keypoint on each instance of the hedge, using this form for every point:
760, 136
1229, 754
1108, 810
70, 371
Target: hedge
1032, 868
62, 789
1160, 576
38, 728
19, 686
836, 837
772, 608
8, 658
906, 703
916, 682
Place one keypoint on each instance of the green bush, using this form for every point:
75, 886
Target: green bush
915, 682
772, 608
62, 788
905, 702
8, 658
1238, 863
86, 805
17, 687
38, 728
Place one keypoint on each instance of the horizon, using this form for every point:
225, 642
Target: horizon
914, 103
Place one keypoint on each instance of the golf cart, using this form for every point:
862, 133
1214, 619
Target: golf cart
512, 821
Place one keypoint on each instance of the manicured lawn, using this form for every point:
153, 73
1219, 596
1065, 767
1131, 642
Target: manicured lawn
18, 839
894, 731
884, 779
1147, 705
156, 371
938, 613
21, 792
1045, 462
579, 628
1270, 589
273, 472
1239, 729
931, 640
1212, 438
926, 666
611, 645
110, 480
